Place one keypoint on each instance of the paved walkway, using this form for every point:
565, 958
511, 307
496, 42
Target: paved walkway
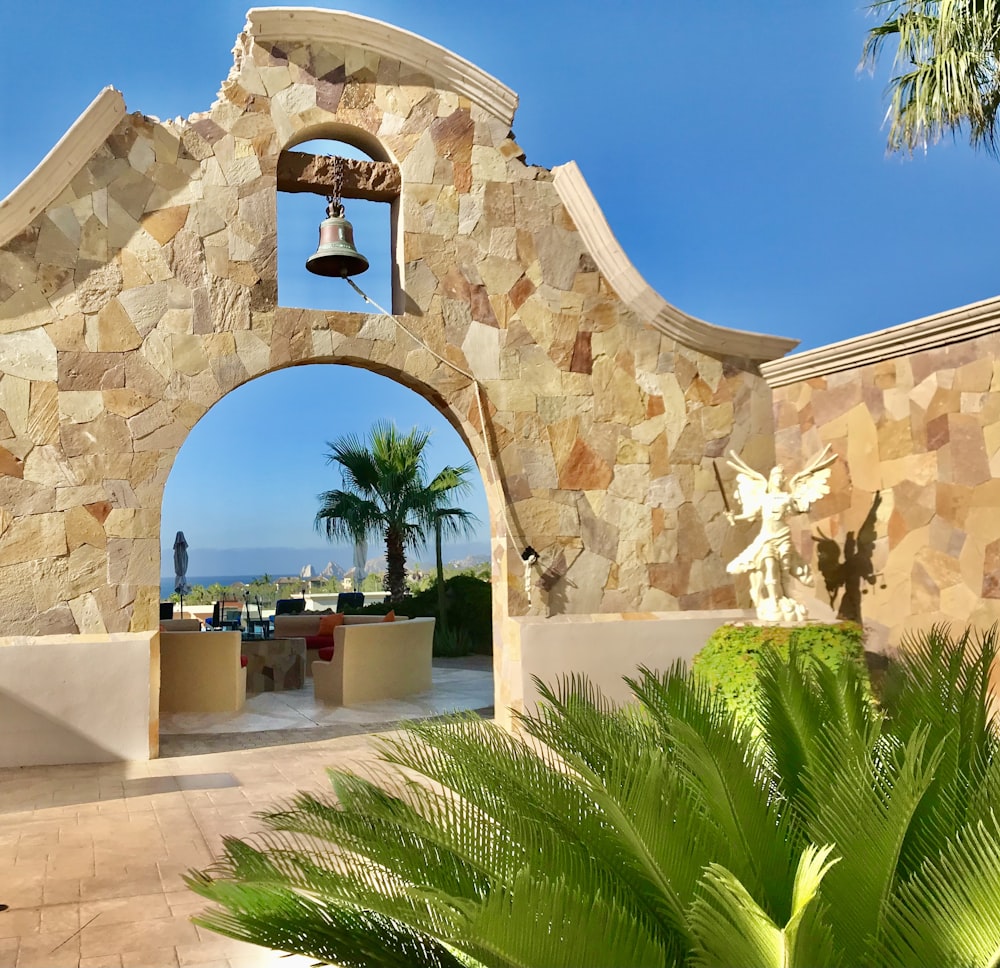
92, 855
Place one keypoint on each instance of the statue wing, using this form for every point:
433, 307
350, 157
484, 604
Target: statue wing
813, 481
750, 485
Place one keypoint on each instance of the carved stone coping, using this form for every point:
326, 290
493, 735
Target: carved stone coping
307, 24
648, 304
951, 326
55, 171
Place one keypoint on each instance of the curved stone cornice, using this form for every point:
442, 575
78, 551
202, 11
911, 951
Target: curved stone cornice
633, 290
952, 326
313, 25
55, 171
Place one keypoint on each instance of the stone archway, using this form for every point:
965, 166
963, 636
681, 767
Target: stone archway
139, 286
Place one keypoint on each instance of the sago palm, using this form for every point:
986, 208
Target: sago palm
947, 69
386, 495
667, 832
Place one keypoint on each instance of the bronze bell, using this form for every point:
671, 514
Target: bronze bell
336, 255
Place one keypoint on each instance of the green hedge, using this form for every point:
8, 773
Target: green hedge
729, 660
470, 614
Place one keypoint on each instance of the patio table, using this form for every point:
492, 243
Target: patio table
275, 665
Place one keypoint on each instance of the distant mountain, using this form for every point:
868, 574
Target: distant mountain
469, 561
458, 564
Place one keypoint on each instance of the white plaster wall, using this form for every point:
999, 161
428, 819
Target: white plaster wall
75, 698
607, 648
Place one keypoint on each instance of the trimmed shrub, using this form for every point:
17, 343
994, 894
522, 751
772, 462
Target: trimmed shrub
470, 614
730, 659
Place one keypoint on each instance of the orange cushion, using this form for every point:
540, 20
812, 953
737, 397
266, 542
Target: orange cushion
328, 623
390, 616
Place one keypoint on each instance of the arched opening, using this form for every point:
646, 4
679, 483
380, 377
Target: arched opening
244, 490
372, 211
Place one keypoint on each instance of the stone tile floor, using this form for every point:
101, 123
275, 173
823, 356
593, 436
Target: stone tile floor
91, 856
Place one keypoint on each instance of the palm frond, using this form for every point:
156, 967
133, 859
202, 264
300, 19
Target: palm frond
948, 77
344, 515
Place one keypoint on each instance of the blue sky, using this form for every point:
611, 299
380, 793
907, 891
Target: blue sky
736, 151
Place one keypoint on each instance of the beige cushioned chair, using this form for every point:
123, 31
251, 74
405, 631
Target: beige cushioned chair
201, 672
376, 660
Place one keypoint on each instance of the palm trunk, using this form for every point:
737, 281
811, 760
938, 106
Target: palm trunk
442, 601
395, 560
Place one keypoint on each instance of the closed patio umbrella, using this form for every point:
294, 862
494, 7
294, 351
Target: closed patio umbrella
360, 556
181, 567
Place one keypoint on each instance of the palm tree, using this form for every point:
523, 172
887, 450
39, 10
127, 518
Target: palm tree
948, 69
385, 495
450, 522
668, 832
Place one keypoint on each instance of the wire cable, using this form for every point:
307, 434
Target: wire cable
477, 389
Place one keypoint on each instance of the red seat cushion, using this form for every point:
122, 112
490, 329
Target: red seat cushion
326, 653
317, 641
243, 661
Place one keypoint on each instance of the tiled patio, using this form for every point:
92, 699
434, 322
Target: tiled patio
93, 855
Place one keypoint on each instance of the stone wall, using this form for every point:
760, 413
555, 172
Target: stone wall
914, 414
138, 286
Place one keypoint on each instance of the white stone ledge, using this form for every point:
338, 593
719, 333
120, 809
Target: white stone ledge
55, 171
952, 326
648, 304
609, 646
313, 25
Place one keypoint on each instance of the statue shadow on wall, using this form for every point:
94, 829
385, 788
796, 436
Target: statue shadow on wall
845, 575
554, 582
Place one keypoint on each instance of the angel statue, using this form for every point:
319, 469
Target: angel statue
771, 558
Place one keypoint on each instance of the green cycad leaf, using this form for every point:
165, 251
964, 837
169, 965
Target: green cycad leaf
333, 880
575, 720
948, 914
368, 821
284, 920
941, 684
541, 922
791, 720
547, 814
732, 931
865, 805
626, 762
727, 777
